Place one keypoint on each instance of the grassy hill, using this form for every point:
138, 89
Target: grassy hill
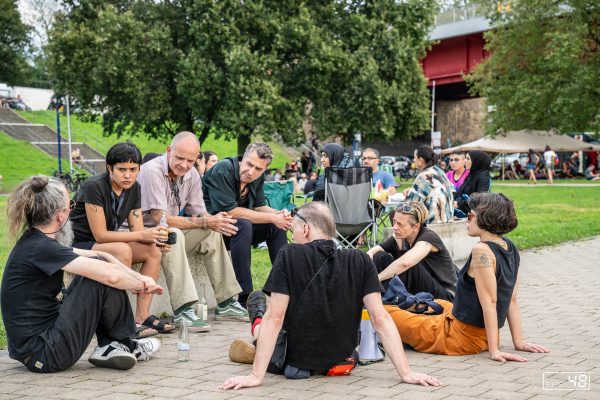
91, 134
19, 159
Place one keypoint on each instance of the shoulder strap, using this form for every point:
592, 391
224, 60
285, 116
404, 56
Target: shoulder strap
309, 283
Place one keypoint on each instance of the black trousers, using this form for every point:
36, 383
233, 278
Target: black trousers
88, 307
240, 245
416, 279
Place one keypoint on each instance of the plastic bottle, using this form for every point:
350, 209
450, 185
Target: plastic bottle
183, 346
163, 223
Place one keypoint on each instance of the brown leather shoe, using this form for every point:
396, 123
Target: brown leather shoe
241, 351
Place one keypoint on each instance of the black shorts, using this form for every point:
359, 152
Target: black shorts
84, 245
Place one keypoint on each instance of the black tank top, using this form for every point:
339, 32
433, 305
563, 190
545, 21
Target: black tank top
466, 303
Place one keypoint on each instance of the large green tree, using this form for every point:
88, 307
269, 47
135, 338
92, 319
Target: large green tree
544, 63
13, 42
246, 67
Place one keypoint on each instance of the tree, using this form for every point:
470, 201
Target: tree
13, 42
544, 63
246, 67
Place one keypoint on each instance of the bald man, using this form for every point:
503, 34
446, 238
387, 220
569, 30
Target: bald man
170, 182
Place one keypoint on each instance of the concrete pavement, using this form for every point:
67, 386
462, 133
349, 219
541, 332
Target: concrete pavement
560, 304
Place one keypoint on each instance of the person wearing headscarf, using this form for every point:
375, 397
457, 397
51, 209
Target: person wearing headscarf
431, 187
332, 155
479, 180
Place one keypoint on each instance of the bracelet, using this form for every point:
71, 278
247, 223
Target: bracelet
204, 221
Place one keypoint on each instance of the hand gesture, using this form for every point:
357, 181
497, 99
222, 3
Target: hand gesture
531, 348
502, 356
150, 287
416, 378
223, 223
239, 382
282, 221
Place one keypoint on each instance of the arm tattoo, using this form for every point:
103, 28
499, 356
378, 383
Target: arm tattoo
484, 261
136, 213
190, 220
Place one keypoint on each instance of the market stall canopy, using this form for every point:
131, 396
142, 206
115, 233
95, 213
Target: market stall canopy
522, 141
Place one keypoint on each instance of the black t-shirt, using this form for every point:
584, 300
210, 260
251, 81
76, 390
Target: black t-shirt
310, 186
439, 264
32, 279
97, 190
323, 328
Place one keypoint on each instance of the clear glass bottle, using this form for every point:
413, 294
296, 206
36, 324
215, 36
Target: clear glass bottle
203, 305
163, 223
183, 346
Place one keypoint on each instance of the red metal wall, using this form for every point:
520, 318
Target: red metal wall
447, 61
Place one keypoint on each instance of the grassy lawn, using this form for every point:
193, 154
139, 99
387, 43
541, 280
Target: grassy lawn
91, 134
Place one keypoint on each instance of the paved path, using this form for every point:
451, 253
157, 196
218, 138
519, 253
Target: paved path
560, 303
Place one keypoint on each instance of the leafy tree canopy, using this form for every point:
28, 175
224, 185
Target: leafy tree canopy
246, 67
13, 42
544, 63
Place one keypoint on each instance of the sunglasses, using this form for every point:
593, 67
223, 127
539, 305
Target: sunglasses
295, 213
72, 204
175, 192
454, 159
470, 216
405, 208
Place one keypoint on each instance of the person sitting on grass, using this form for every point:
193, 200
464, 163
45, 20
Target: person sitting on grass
416, 254
486, 292
317, 292
590, 175
48, 335
103, 203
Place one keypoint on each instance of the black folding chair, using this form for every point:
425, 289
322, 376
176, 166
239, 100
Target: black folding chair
347, 192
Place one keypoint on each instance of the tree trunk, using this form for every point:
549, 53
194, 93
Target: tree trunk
243, 140
204, 133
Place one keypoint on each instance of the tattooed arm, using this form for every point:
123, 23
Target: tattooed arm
483, 269
222, 222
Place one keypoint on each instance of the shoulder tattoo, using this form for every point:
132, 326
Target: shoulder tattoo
484, 261
94, 208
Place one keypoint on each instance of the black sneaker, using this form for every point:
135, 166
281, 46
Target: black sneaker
256, 305
115, 355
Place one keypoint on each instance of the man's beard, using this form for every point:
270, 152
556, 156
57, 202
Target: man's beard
65, 236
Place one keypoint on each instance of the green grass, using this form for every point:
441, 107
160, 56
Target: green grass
91, 134
19, 159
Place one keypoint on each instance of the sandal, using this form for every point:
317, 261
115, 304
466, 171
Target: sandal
142, 331
159, 325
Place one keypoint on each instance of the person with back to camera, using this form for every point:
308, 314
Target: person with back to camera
478, 163
431, 187
486, 293
317, 294
549, 158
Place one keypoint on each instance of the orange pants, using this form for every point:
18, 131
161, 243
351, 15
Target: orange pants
438, 334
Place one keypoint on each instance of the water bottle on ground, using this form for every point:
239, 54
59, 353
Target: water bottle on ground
183, 346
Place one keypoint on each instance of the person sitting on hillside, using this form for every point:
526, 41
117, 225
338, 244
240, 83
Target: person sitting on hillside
416, 254
431, 187
486, 293
103, 203
479, 180
48, 335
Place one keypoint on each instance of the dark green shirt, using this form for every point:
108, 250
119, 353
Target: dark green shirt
221, 187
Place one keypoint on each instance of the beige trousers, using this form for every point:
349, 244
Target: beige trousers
219, 269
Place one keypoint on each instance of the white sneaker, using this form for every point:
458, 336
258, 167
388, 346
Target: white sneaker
115, 355
146, 348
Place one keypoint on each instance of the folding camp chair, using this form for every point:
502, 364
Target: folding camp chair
347, 192
279, 195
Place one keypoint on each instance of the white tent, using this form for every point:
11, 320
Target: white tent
522, 141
